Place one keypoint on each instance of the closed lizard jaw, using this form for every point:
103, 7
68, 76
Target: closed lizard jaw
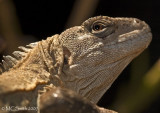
131, 37
140, 30
132, 31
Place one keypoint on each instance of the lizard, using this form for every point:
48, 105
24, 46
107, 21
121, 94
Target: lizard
86, 59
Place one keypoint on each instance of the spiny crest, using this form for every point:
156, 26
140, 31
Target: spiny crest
10, 61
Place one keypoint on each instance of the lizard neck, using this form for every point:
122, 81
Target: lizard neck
38, 67
98, 80
31, 74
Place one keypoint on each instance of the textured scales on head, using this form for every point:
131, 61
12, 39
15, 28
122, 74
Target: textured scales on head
100, 49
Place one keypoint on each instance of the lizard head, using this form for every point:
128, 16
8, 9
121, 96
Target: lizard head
97, 51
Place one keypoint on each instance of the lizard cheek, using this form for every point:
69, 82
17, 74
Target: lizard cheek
84, 37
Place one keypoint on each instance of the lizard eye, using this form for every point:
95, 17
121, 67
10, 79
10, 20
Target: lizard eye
97, 26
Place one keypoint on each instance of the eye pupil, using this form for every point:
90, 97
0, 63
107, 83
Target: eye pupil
97, 27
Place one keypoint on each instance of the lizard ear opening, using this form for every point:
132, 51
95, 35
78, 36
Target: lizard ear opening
67, 55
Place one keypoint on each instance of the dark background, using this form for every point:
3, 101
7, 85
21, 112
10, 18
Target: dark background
43, 18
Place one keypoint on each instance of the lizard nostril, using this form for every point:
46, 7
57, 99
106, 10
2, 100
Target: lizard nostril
136, 21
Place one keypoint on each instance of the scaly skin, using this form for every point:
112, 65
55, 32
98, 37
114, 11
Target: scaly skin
99, 56
86, 59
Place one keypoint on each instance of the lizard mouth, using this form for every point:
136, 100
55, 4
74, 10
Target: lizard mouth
129, 44
141, 32
133, 35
